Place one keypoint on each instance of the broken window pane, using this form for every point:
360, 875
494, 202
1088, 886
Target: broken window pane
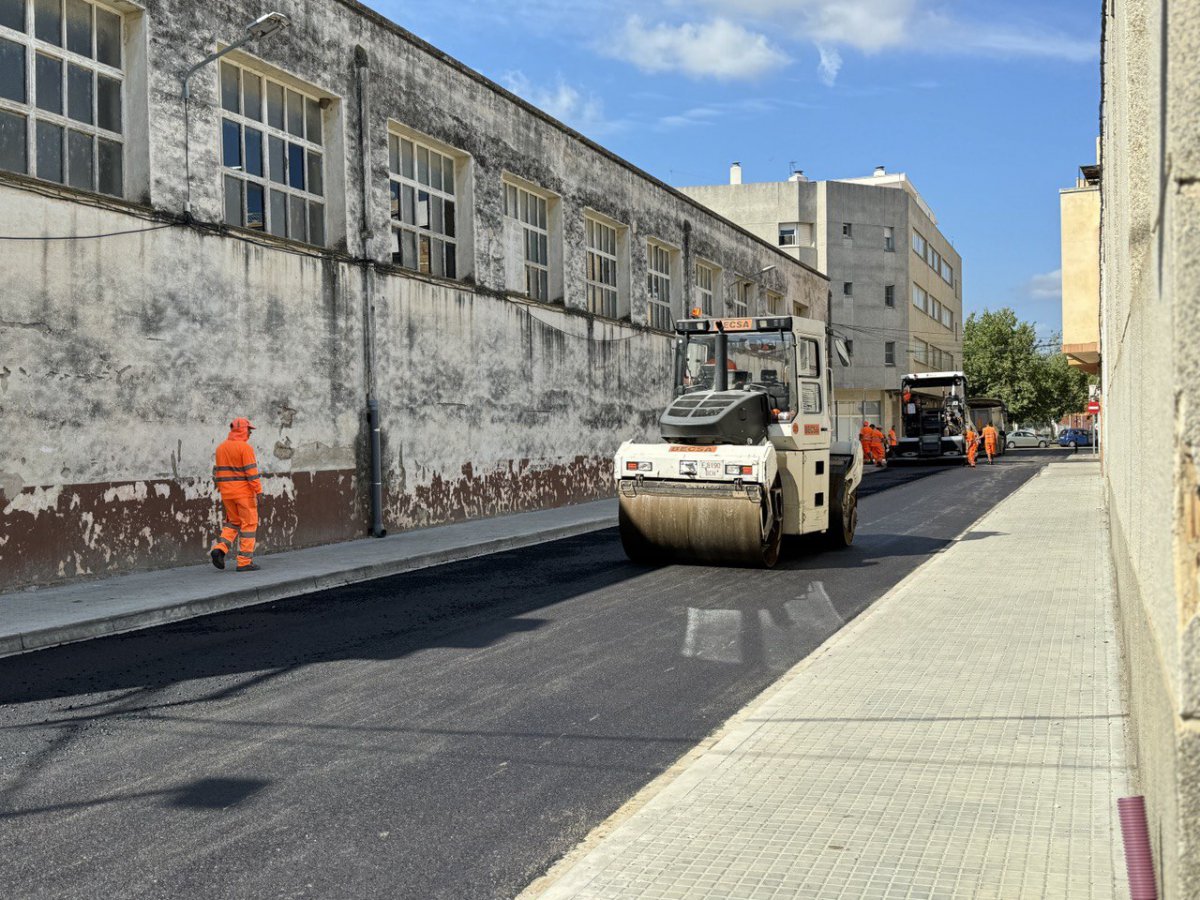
450, 229
296, 166
12, 142
109, 163
316, 224
108, 103
408, 249
47, 21
254, 206
12, 14
230, 87
315, 181
278, 222
296, 219
108, 38
423, 253
252, 96
79, 161
275, 105
50, 151
79, 93
277, 159
79, 27
422, 209
254, 157
451, 262
12, 71
437, 258
231, 144
233, 200
312, 113
295, 113
49, 84
395, 188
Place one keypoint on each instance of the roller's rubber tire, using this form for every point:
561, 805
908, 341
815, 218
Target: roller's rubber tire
771, 546
843, 519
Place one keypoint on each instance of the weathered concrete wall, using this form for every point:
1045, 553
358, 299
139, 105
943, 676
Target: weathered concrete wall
122, 359
1150, 331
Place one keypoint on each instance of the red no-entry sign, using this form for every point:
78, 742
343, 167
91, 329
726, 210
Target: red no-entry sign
1093, 407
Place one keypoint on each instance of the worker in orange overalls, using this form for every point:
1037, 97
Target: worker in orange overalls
877, 445
972, 441
236, 476
990, 438
865, 437
892, 442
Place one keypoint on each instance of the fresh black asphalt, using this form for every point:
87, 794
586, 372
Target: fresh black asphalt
445, 733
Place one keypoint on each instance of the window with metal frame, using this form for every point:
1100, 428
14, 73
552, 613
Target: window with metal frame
889, 238
739, 304
920, 352
424, 204
601, 273
848, 288
272, 147
920, 298
889, 295
531, 211
787, 235
947, 272
889, 353
658, 286
774, 303
918, 244
706, 280
62, 93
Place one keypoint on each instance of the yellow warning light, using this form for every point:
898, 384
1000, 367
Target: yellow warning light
697, 312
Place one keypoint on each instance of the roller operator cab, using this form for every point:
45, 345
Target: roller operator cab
745, 455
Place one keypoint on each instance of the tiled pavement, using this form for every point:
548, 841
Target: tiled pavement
963, 738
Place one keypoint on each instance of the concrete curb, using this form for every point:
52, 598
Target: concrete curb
87, 629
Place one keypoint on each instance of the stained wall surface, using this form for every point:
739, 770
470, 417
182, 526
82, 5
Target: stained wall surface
123, 358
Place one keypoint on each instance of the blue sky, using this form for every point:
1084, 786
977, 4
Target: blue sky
989, 108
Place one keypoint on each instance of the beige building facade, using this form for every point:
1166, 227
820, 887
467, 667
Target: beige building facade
1080, 217
895, 280
1150, 360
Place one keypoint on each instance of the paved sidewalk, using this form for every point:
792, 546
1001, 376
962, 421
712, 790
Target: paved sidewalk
42, 617
963, 738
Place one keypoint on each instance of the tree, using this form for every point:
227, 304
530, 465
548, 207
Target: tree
1002, 358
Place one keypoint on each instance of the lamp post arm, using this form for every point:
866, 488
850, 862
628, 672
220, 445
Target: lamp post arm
211, 58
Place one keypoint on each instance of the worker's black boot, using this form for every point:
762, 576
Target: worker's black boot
218, 557
253, 567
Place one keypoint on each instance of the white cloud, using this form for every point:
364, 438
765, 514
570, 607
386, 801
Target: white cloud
715, 49
830, 64
583, 112
1047, 286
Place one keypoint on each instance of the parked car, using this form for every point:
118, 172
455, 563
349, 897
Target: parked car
1025, 438
1074, 437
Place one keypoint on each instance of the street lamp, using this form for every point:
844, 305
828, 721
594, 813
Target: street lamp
262, 27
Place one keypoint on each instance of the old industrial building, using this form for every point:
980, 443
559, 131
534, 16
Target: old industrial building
333, 216
896, 280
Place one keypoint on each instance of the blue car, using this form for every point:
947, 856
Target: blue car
1075, 437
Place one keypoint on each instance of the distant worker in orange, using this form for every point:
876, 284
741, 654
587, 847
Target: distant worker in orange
892, 442
991, 437
865, 437
236, 476
972, 441
877, 446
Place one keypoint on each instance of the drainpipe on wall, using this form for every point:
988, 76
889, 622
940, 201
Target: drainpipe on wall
368, 269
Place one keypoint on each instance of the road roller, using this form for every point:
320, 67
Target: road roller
745, 455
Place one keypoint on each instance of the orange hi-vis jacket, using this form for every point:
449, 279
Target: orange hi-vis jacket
990, 436
236, 469
892, 442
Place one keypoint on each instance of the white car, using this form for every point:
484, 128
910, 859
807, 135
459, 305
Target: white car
1025, 438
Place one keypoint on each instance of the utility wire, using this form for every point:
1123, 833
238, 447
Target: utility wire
84, 237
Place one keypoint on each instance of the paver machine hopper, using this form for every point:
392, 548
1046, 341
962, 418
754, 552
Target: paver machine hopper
746, 454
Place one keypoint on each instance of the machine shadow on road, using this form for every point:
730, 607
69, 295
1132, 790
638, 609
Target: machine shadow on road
456, 606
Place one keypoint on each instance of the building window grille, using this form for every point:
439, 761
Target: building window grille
889, 353
920, 298
272, 146
848, 230
658, 285
531, 211
889, 295
601, 268
740, 304
706, 278
848, 288
424, 207
62, 86
889, 238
